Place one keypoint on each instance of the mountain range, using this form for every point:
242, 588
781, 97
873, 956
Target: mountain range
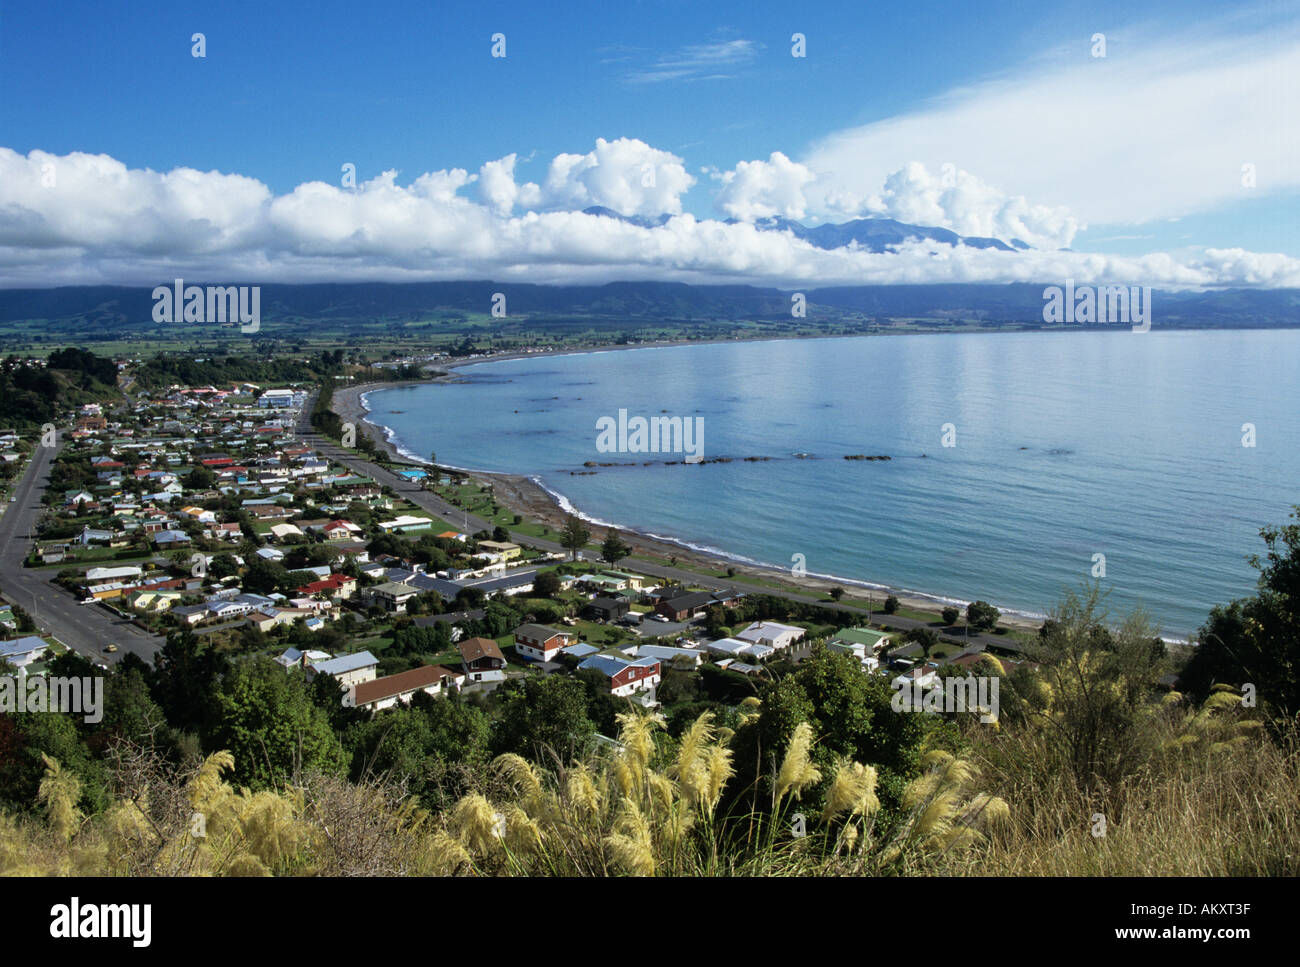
869, 234
67, 313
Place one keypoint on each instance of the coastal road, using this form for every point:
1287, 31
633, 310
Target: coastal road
468, 523
86, 629
427, 500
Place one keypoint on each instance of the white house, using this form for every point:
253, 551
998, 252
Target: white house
772, 633
283, 532
405, 523
921, 676
481, 660
276, 399
541, 643
113, 573
21, 652
666, 654
381, 693
292, 657
348, 669
861, 643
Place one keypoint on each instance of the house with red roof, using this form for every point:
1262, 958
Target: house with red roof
340, 586
340, 530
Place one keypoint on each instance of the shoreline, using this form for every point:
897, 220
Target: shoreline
526, 496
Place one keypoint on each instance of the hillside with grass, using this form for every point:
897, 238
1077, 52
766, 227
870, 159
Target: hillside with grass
1096, 765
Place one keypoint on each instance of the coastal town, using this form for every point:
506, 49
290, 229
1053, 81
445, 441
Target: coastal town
221, 512
654, 444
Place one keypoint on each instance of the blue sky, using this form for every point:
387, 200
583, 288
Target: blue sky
286, 95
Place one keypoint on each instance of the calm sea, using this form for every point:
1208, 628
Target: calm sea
1067, 445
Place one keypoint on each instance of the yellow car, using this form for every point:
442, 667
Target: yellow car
110, 648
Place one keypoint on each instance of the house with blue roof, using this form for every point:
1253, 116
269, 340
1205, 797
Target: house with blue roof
625, 677
349, 670
21, 652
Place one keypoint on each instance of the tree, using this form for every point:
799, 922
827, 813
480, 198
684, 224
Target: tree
678, 685
614, 549
837, 593
950, 614
982, 616
268, 721
540, 714
1257, 640
500, 535
24, 736
499, 619
547, 584
924, 637
602, 706
185, 681
414, 640
469, 599
265, 577
891, 604
460, 731
130, 711
222, 566
25, 624
396, 745
715, 620
850, 715
574, 536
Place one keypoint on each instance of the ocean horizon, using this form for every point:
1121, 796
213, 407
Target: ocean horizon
1015, 458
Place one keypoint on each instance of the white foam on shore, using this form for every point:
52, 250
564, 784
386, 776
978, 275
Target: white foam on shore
390, 435
567, 506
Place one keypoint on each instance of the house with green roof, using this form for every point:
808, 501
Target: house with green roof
861, 643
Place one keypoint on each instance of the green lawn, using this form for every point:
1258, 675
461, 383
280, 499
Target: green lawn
375, 644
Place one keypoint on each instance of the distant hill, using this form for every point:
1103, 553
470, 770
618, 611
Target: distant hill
869, 234
876, 234
104, 310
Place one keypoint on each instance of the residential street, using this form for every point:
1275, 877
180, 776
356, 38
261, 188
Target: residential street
84, 628
457, 518
87, 629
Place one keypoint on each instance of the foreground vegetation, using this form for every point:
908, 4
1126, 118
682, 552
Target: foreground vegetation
1212, 798
1095, 766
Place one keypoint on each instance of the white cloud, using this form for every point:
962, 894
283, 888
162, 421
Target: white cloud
763, 189
626, 175
496, 186
103, 223
957, 200
715, 61
1159, 128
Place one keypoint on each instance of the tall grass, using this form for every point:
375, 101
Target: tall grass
1210, 795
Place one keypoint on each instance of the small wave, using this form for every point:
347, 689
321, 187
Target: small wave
567, 506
